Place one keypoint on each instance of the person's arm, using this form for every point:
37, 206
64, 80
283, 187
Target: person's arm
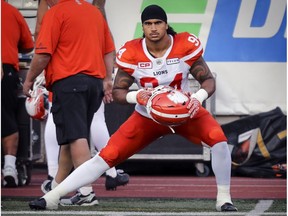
25, 43
121, 86
38, 64
101, 5
107, 82
42, 8
25, 50
203, 75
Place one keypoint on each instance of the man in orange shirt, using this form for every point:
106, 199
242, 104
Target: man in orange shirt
75, 48
99, 134
16, 38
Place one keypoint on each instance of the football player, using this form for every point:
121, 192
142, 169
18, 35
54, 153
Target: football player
161, 57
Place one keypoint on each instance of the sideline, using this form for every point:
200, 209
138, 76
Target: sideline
109, 213
260, 208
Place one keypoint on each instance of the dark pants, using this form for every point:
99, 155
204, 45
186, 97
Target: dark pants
75, 100
9, 100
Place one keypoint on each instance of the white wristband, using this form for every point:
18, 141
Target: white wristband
200, 95
131, 97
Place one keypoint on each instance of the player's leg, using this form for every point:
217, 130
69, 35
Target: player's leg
52, 149
204, 128
131, 137
52, 153
10, 146
221, 165
9, 124
99, 138
73, 109
51, 146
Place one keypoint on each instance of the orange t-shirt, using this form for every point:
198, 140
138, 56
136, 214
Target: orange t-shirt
77, 36
15, 34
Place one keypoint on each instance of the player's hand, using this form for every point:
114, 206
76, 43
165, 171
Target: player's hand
107, 86
28, 87
143, 96
193, 106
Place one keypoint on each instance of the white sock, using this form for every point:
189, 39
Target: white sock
9, 160
51, 146
85, 174
53, 184
52, 170
100, 134
85, 190
221, 165
98, 130
112, 172
223, 196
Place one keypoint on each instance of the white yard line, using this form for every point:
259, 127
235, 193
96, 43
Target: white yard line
104, 213
260, 208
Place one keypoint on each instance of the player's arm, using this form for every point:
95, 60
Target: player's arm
42, 8
121, 86
121, 93
203, 75
201, 72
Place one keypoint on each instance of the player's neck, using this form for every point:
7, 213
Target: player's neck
158, 48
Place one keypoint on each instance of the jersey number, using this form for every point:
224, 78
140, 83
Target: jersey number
153, 82
193, 39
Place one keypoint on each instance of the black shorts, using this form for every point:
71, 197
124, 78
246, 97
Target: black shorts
75, 100
9, 100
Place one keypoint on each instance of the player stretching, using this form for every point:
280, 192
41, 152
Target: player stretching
162, 57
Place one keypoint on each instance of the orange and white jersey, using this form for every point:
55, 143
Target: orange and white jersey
171, 70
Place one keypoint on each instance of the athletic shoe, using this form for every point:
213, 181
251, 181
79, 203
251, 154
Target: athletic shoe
10, 177
41, 204
50, 177
121, 179
46, 186
38, 204
228, 207
80, 200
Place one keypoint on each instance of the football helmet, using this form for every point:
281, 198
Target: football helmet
37, 105
168, 106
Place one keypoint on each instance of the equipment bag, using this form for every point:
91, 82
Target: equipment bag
258, 144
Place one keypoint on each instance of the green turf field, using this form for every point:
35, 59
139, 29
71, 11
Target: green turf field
145, 206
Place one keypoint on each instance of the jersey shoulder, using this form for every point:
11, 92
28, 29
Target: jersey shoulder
130, 53
187, 43
130, 48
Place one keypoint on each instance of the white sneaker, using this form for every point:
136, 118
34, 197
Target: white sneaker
80, 200
10, 177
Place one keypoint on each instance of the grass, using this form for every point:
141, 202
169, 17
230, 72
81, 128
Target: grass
148, 205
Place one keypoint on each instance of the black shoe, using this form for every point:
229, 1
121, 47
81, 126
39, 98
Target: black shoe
228, 207
121, 179
50, 178
38, 204
46, 186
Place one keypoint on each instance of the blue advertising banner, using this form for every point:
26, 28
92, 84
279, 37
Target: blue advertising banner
248, 31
